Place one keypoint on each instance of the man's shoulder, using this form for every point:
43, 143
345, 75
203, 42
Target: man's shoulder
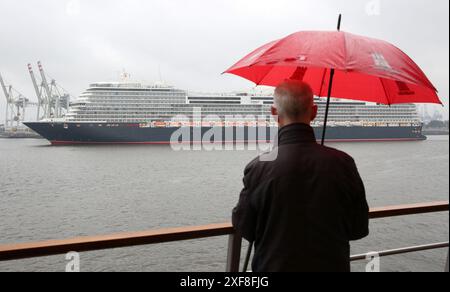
322, 153
333, 153
259, 165
255, 163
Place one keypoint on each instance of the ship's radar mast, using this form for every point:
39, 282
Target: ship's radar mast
125, 76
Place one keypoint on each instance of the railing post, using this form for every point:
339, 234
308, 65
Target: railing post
446, 265
234, 253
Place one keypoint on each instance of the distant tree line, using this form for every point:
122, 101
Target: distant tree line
437, 125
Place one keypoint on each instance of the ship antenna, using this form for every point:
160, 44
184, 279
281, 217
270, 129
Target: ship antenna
160, 75
124, 76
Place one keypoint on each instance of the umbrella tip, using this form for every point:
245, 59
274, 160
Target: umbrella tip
339, 22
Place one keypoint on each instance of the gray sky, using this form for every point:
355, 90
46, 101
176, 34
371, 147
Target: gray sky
193, 41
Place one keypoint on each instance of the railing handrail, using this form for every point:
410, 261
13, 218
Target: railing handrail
53, 247
398, 251
118, 240
410, 209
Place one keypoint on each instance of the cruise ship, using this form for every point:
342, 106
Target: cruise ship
133, 113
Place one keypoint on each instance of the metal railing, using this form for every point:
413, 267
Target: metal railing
10, 252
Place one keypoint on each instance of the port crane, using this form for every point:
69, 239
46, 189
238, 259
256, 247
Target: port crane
16, 104
53, 100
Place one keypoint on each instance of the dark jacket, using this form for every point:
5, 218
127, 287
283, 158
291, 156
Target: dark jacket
302, 209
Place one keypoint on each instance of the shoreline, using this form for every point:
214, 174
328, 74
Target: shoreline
435, 132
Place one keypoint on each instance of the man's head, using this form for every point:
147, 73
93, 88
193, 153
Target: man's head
294, 103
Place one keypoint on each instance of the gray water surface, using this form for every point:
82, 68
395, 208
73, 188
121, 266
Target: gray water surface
61, 192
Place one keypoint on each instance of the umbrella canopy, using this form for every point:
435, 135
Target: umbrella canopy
361, 68
366, 69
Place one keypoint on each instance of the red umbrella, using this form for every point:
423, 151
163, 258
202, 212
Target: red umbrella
362, 68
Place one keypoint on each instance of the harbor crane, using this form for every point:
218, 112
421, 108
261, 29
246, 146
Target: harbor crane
16, 104
53, 100
41, 100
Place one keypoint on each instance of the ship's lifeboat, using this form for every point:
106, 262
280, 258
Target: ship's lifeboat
208, 124
160, 124
144, 125
175, 124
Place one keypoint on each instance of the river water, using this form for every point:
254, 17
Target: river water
61, 192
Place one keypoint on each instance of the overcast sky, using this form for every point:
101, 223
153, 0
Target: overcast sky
192, 41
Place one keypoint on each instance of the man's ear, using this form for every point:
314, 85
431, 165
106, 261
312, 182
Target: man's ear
314, 112
274, 111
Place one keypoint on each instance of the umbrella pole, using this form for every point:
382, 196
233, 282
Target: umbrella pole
327, 110
330, 87
247, 257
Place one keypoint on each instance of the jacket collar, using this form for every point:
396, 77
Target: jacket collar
295, 134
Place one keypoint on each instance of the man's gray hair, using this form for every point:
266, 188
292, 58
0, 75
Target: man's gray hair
293, 99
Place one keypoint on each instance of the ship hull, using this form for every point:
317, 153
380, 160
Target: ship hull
102, 133
126, 133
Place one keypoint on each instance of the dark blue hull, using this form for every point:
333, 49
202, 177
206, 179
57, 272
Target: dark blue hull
103, 133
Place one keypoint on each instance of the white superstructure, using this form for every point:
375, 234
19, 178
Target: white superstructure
127, 102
